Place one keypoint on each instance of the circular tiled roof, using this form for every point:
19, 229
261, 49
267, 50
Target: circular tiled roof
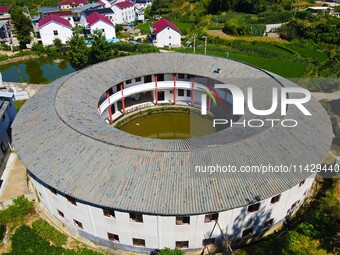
62, 140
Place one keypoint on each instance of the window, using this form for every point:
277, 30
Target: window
211, 217
136, 217
55, 32
182, 220
181, 92
53, 190
147, 78
71, 200
103, 30
254, 207
78, 224
138, 242
275, 199
247, 232
109, 213
113, 237
208, 241
138, 79
268, 224
301, 183
128, 82
60, 213
188, 93
182, 244
169, 37
180, 76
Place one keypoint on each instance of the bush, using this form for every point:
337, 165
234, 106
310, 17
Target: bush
3, 57
16, 212
26, 241
46, 231
167, 251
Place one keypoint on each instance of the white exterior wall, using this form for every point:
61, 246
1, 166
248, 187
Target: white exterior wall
47, 36
162, 231
168, 37
70, 19
109, 31
123, 15
83, 20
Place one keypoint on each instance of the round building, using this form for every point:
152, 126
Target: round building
142, 193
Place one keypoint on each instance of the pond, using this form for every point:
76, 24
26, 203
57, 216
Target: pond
169, 126
36, 71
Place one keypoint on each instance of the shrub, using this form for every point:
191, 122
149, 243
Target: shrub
26, 241
46, 231
16, 212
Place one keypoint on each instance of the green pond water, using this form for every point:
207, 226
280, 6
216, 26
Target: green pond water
169, 126
37, 71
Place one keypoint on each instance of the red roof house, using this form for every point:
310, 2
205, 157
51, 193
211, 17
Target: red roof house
52, 18
123, 5
162, 24
4, 9
164, 33
52, 27
98, 21
95, 17
72, 3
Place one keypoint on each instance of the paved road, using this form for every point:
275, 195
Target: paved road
329, 96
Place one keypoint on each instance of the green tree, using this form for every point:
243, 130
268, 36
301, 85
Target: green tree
100, 49
22, 25
78, 52
57, 43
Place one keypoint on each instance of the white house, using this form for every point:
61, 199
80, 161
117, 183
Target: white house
98, 21
51, 27
65, 15
164, 33
69, 4
124, 12
107, 12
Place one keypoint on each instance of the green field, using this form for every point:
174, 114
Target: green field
282, 66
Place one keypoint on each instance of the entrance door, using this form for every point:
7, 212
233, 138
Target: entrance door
160, 95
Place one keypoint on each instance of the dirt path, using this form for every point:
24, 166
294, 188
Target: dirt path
16, 182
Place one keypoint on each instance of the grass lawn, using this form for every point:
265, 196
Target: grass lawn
144, 27
19, 103
184, 27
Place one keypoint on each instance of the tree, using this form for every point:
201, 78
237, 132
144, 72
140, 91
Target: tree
100, 49
22, 25
78, 52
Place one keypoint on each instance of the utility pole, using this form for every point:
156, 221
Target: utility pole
194, 36
205, 44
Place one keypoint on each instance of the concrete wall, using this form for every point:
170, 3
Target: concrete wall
109, 31
123, 15
162, 231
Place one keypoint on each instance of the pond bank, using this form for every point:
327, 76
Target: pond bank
19, 59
